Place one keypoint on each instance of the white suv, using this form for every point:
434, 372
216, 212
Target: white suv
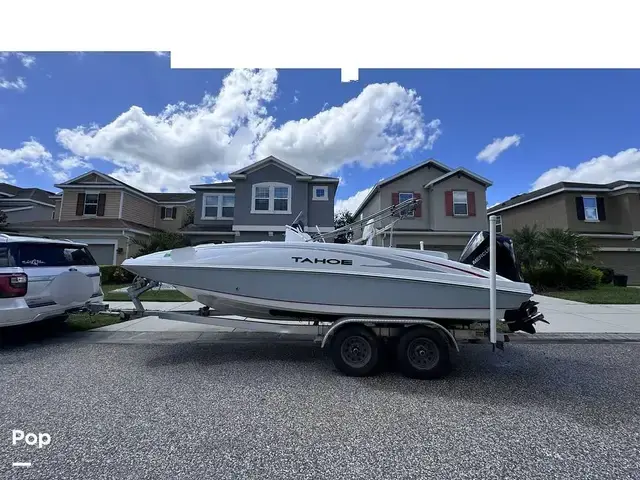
42, 278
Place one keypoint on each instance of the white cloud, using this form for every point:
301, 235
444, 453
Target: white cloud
353, 202
161, 54
27, 61
378, 126
434, 127
491, 152
17, 84
227, 131
295, 99
624, 165
33, 155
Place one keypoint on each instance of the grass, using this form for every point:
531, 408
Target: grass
84, 321
149, 296
604, 294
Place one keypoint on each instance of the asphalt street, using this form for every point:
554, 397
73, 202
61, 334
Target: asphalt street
281, 411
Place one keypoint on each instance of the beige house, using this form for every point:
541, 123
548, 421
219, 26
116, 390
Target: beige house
609, 215
453, 207
108, 214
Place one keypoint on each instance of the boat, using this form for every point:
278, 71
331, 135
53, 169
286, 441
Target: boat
307, 278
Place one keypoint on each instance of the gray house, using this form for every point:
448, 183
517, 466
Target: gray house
453, 207
25, 204
258, 201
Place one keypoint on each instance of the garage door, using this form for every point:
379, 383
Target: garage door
624, 263
102, 253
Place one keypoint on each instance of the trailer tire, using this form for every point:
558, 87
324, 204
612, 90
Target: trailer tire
422, 353
355, 351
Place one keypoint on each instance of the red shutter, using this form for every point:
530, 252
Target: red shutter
418, 211
80, 205
395, 199
102, 200
471, 202
448, 203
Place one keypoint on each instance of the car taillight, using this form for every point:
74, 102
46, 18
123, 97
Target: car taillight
13, 285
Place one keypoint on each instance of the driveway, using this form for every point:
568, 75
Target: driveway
229, 410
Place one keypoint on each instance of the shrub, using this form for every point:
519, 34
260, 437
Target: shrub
607, 274
115, 274
573, 277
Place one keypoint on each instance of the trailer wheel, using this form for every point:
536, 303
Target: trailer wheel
422, 353
355, 351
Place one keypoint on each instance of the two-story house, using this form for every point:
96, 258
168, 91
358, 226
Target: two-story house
255, 204
25, 204
259, 200
453, 207
609, 215
108, 214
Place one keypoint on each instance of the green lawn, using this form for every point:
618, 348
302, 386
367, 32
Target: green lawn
604, 294
149, 296
84, 321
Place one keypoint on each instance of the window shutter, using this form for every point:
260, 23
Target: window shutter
448, 203
163, 212
471, 203
173, 212
602, 215
580, 208
418, 211
395, 200
102, 200
80, 205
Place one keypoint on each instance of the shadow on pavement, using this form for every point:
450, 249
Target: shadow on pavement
33, 333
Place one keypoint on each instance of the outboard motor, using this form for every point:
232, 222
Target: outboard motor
476, 253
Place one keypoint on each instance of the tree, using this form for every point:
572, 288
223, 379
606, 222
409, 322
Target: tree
189, 216
342, 219
160, 241
554, 247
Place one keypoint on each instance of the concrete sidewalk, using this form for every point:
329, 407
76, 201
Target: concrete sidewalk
564, 316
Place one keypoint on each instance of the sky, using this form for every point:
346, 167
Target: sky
160, 129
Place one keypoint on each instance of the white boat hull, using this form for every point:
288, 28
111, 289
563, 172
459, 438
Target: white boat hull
283, 280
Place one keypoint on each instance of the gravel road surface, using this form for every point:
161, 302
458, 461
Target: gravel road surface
281, 411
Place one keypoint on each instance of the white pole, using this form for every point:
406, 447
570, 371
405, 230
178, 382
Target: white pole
421, 245
492, 279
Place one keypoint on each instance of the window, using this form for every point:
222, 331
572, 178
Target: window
52, 255
90, 204
168, 213
218, 206
320, 193
590, 209
498, 223
53, 215
271, 198
403, 197
460, 206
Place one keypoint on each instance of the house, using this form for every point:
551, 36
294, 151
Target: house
255, 204
259, 200
609, 215
25, 204
453, 207
108, 215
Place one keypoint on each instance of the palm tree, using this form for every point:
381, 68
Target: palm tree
555, 247
160, 241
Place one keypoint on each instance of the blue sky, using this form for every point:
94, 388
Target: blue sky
61, 114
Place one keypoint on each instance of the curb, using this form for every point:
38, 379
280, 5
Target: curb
576, 338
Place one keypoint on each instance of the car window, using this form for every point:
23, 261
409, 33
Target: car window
52, 255
5, 258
